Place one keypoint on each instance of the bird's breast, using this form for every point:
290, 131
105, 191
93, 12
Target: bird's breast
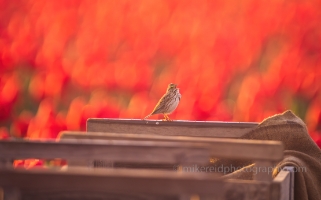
173, 105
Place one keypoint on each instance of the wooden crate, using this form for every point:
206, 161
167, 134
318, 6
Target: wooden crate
137, 141
86, 183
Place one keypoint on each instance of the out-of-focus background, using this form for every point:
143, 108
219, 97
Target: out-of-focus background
62, 62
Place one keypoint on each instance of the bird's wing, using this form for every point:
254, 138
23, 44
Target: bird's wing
161, 105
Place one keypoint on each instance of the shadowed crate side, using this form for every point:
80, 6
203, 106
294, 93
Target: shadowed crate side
171, 128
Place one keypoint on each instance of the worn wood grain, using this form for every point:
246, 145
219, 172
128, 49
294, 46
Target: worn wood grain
177, 127
130, 182
247, 190
284, 184
263, 170
127, 151
291, 170
219, 147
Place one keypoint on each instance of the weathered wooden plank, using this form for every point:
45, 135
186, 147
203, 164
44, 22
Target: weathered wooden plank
80, 181
282, 185
219, 147
178, 128
290, 169
126, 151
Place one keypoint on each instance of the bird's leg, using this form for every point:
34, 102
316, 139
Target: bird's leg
165, 117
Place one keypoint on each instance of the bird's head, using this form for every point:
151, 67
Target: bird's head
171, 87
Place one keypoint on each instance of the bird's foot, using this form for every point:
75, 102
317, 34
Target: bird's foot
167, 118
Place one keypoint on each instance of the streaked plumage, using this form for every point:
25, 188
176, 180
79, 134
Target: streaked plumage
168, 103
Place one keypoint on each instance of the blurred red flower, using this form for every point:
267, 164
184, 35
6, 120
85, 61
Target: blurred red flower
64, 62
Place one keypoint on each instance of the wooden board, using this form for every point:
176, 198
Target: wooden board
127, 151
219, 147
87, 184
172, 128
284, 184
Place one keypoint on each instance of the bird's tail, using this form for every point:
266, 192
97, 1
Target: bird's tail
147, 116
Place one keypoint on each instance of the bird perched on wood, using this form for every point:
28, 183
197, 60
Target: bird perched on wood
168, 103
